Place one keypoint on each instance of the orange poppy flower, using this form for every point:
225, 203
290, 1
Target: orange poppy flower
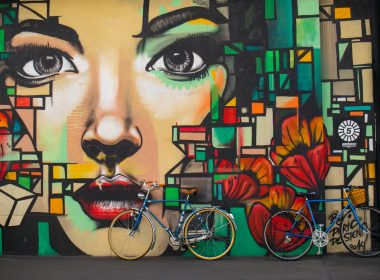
302, 155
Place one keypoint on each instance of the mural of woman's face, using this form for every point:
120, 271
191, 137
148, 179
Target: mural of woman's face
123, 73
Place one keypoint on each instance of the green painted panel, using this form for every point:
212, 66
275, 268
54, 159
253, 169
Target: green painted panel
259, 65
269, 9
308, 32
44, 248
9, 17
244, 245
171, 194
342, 49
369, 131
24, 181
269, 62
308, 7
358, 157
280, 30
11, 91
223, 137
2, 40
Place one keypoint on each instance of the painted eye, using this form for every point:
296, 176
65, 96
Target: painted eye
46, 65
179, 61
34, 65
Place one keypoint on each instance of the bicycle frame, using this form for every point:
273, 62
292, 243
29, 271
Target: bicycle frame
340, 214
174, 234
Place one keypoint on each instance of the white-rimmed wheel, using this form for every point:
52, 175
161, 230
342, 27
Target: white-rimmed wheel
362, 241
288, 235
209, 233
127, 241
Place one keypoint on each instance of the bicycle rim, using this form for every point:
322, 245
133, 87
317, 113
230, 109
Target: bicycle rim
125, 243
357, 241
209, 234
287, 235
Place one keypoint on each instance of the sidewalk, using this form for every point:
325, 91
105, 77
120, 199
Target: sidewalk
82, 267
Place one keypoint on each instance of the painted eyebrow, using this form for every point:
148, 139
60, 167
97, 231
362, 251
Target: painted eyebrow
49, 27
172, 19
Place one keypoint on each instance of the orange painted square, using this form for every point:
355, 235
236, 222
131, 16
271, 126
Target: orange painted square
356, 114
334, 159
257, 108
56, 206
341, 13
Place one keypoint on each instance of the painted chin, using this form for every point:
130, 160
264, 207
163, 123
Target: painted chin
103, 201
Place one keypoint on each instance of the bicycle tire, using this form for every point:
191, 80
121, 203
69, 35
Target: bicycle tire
356, 241
125, 245
279, 243
209, 233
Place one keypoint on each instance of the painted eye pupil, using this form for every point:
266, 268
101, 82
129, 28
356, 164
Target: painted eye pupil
178, 57
179, 61
48, 64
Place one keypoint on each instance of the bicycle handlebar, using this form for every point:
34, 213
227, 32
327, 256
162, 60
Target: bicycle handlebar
152, 185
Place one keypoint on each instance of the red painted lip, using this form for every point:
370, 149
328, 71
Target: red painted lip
104, 198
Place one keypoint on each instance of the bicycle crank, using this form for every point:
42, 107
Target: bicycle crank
320, 238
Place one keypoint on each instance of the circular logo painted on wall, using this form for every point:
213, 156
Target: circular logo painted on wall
349, 130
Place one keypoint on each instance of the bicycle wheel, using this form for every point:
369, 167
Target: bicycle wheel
288, 235
209, 233
358, 241
126, 243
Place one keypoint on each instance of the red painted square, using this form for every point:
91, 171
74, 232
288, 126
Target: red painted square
23, 102
229, 116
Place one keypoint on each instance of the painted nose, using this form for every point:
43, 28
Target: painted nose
111, 140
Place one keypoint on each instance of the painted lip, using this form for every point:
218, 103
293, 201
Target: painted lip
104, 198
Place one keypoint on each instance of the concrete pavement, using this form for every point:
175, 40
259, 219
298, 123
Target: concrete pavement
93, 268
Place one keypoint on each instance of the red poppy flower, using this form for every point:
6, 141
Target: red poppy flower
302, 155
251, 188
256, 172
259, 210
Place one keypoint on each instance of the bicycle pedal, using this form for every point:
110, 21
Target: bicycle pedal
182, 249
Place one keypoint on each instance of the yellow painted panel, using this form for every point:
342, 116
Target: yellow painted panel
58, 172
371, 171
56, 206
342, 13
81, 171
11, 176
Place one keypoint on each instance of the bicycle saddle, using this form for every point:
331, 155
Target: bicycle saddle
306, 194
188, 191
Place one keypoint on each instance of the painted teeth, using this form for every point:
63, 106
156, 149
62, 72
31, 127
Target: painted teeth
112, 204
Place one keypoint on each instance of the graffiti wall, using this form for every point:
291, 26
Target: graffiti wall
250, 101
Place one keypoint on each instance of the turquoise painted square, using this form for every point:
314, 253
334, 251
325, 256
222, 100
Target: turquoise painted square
223, 137
304, 77
200, 155
308, 7
308, 34
9, 17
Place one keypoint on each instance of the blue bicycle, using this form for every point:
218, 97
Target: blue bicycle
208, 233
289, 235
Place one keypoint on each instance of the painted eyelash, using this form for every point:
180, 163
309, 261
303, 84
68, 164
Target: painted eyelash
30, 49
191, 77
